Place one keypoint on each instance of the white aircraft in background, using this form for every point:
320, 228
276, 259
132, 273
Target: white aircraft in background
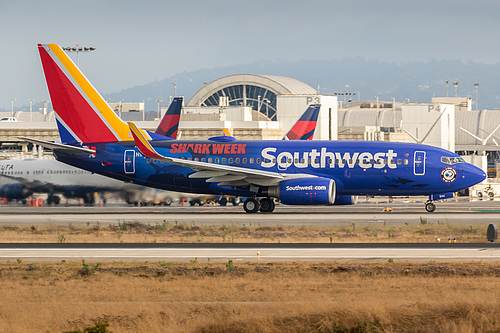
20, 179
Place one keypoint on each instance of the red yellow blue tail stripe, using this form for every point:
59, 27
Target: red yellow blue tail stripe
71, 92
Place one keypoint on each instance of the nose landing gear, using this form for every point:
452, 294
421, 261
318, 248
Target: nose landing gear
430, 206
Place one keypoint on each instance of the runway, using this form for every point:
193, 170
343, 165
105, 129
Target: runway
399, 212
484, 252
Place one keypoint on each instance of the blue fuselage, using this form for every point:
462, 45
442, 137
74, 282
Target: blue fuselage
357, 167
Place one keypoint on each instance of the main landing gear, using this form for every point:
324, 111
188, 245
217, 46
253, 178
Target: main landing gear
430, 206
265, 205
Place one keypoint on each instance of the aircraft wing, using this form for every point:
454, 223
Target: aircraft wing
59, 146
225, 175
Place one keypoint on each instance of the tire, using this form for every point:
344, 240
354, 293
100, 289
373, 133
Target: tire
430, 207
236, 201
267, 205
251, 205
480, 194
223, 201
491, 194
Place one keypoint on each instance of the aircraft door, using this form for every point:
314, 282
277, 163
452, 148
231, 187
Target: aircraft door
129, 161
419, 163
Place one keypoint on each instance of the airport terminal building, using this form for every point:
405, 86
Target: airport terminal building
258, 107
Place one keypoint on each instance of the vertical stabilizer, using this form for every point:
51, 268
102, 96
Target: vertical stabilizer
305, 126
83, 115
169, 124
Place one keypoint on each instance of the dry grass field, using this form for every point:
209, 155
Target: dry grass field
136, 232
244, 297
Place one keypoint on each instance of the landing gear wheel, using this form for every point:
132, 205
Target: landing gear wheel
430, 207
251, 205
267, 205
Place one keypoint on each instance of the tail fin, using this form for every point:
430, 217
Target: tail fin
305, 126
82, 114
169, 124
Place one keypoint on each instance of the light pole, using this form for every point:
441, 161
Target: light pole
175, 88
158, 101
265, 100
45, 106
78, 49
31, 109
477, 86
456, 87
447, 83
12, 105
120, 107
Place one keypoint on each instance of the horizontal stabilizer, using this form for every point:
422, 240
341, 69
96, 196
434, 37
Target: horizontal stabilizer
59, 146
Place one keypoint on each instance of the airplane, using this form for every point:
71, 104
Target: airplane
294, 172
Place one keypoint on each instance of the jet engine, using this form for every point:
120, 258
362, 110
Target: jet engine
346, 200
15, 191
304, 191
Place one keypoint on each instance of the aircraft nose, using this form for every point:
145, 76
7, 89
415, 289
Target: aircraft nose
473, 175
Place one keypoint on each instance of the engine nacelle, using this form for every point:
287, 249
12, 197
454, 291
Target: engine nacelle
14, 191
346, 200
304, 191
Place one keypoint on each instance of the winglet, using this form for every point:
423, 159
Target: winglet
143, 144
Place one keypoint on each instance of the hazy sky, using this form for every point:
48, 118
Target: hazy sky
141, 41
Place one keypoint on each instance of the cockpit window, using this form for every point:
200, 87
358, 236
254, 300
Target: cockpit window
452, 160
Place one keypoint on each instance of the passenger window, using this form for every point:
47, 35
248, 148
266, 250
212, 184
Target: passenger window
258, 160
231, 160
217, 160
203, 159
237, 160
224, 160
210, 160
244, 160
251, 160
399, 161
406, 161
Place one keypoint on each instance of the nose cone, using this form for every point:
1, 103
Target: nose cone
472, 174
